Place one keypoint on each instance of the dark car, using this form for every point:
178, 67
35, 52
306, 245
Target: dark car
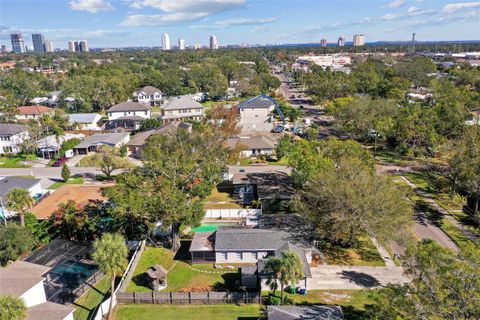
59, 162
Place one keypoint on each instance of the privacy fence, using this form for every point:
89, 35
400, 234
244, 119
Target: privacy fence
210, 297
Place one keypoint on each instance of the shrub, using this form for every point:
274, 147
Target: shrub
15, 240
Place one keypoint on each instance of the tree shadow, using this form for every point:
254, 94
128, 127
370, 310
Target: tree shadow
183, 254
427, 214
230, 282
361, 279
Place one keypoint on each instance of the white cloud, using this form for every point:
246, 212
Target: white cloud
453, 7
178, 11
396, 3
92, 6
244, 22
413, 9
411, 12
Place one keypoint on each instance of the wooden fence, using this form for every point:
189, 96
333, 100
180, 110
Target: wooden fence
210, 297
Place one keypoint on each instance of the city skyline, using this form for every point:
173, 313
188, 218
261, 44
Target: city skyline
142, 23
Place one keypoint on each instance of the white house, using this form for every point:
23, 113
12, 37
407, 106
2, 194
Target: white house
11, 137
7, 184
33, 112
253, 146
85, 121
256, 115
128, 115
25, 280
149, 96
182, 109
49, 146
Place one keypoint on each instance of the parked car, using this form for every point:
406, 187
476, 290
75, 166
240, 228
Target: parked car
59, 162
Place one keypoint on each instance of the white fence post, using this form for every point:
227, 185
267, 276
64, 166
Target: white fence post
231, 213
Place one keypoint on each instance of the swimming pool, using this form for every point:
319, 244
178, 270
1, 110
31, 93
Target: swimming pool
210, 227
74, 273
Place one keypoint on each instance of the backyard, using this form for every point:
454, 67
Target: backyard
220, 200
86, 304
182, 276
16, 161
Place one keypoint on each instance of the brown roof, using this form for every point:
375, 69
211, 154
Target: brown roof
253, 142
48, 311
28, 110
170, 128
20, 276
156, 272
150, 90
128, 106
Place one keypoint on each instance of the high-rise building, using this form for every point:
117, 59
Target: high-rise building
181, 44
323, 42
165, 42
213, 42
83, 46
18, 45
71, 46
38, 42
358, 40
341, 41
197, 46
48, 45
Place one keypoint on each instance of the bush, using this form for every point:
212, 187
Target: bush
65, 172
67, 145
39, 228
274, 300
15, 240
123, 151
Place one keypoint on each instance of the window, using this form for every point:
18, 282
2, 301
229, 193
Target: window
7, 149
125, 113
146, 113
239, 255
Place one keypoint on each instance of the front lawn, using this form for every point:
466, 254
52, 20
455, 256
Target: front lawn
16, 161
365, 254
86, 304
211, 312
183, 276
220, 200
78, 180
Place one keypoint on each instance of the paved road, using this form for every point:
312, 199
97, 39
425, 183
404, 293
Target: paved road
327, 277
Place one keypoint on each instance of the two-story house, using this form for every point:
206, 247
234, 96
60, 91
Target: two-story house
11, 137
26, 113
149, 96
127, 115
256, 115
183, 110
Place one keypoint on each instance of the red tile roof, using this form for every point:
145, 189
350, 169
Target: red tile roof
34, 110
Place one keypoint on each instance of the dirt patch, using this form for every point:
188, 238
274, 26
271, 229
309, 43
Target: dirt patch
82, 195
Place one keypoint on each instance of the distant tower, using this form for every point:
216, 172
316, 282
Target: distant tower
48, 46
213, 42
165, 42
71, 46
38, 42
83, 46
323, 42
18, 45
341, 41
358, 40
77, 46
181, 44
413, 42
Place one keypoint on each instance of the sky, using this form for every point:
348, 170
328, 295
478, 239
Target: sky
128, 23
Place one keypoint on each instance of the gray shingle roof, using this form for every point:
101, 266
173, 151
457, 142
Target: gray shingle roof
237, 239
20, 276
170, 128
9, 183
150, 90
254, 142
310, 312
259, 103
83, 117
110, 139
182, 103
8, 129
128, 106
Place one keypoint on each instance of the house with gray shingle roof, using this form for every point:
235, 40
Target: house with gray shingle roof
149, 96
11, 137
182, 109
94, 142
127, 115
85, 121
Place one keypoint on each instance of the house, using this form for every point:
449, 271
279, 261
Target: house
33, 112
256, 114
127, 115
197, 97
139, 140
149, 96
25, 280
299, 312
94, 142
11, 137
273, 235
253, 146
182, 109
7, 184
50, 146
85, 121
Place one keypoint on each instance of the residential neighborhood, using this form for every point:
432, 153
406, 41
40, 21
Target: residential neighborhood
330, 180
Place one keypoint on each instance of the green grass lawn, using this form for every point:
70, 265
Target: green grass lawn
182, 277
15, 161
220, 200
211, 312
365, 254
77, 180
85, 306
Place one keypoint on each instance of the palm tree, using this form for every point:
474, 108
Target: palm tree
19, 201
12, 308
291, 270
111, 256
273, 266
